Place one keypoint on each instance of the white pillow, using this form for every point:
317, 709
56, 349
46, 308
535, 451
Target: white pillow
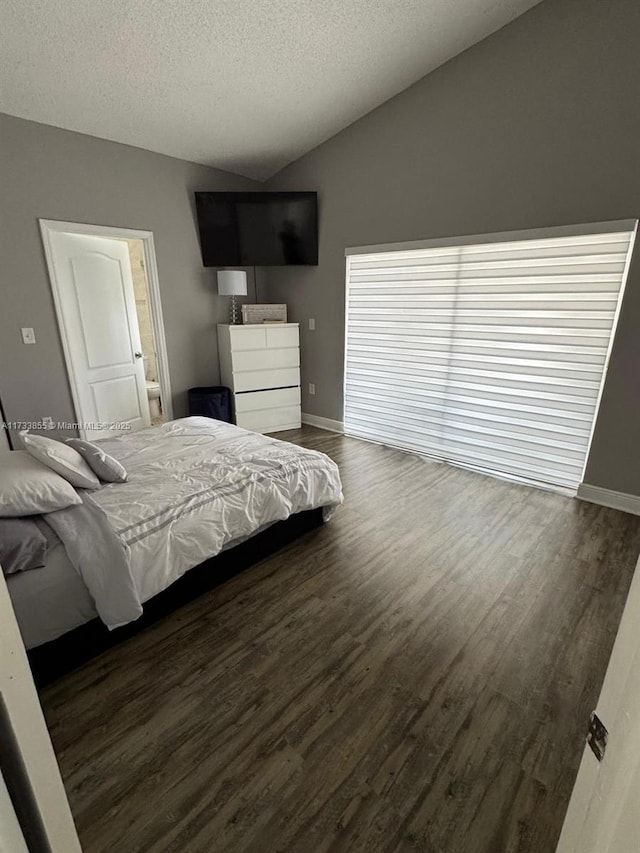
27, 487
62, 459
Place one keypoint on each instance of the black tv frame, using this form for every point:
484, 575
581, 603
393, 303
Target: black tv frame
253, 196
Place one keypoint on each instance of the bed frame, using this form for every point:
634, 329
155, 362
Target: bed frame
64, 654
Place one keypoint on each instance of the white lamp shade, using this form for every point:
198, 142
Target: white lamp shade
232, 283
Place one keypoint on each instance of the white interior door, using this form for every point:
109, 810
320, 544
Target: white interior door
95, 303
604, 811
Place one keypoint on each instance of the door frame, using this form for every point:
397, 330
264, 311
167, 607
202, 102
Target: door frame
29, 765
51, 226
602, 795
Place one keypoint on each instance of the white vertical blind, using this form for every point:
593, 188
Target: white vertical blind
487, 354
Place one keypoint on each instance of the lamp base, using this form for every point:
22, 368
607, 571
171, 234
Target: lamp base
233, 315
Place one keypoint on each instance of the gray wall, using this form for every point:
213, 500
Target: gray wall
50, 173
538, 125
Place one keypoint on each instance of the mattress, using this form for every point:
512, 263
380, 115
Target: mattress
50, 601
196, 487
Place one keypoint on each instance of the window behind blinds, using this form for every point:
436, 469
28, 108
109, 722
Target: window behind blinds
490, 354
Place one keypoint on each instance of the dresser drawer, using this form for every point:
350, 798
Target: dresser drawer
270, 420
266, 359
279, 337
262, 380
248, 337
276, 399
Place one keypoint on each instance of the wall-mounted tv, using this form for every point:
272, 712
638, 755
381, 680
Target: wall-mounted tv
257, 228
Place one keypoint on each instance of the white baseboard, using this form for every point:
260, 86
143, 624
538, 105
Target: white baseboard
607, 497
322, 423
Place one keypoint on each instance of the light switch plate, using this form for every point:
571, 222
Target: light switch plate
312, 324
28, 336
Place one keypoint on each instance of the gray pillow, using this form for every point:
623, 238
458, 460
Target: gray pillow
103, 466
23, 546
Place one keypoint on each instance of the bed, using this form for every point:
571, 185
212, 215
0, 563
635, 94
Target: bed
196, 487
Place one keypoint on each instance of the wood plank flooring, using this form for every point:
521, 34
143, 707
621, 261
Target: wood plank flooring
416, 675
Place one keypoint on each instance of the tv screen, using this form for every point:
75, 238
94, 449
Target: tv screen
257, 228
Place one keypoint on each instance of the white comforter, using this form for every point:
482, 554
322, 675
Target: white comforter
195, 486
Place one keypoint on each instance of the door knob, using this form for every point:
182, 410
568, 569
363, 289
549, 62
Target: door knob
138, 355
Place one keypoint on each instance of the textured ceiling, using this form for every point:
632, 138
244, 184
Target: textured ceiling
244, 85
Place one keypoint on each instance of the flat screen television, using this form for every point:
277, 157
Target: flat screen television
257, 228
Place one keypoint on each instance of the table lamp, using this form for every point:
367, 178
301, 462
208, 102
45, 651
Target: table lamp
232, 283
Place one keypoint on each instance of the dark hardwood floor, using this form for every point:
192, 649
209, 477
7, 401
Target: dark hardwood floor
416, 675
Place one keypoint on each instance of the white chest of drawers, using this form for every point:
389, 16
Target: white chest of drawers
261, 365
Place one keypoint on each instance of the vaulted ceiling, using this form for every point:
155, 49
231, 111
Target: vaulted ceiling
243, 85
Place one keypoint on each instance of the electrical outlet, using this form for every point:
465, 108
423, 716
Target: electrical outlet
47, 422
28, 336
312, 324
312, 388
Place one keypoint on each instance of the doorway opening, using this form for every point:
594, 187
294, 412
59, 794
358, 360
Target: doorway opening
107, 298
147, 337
